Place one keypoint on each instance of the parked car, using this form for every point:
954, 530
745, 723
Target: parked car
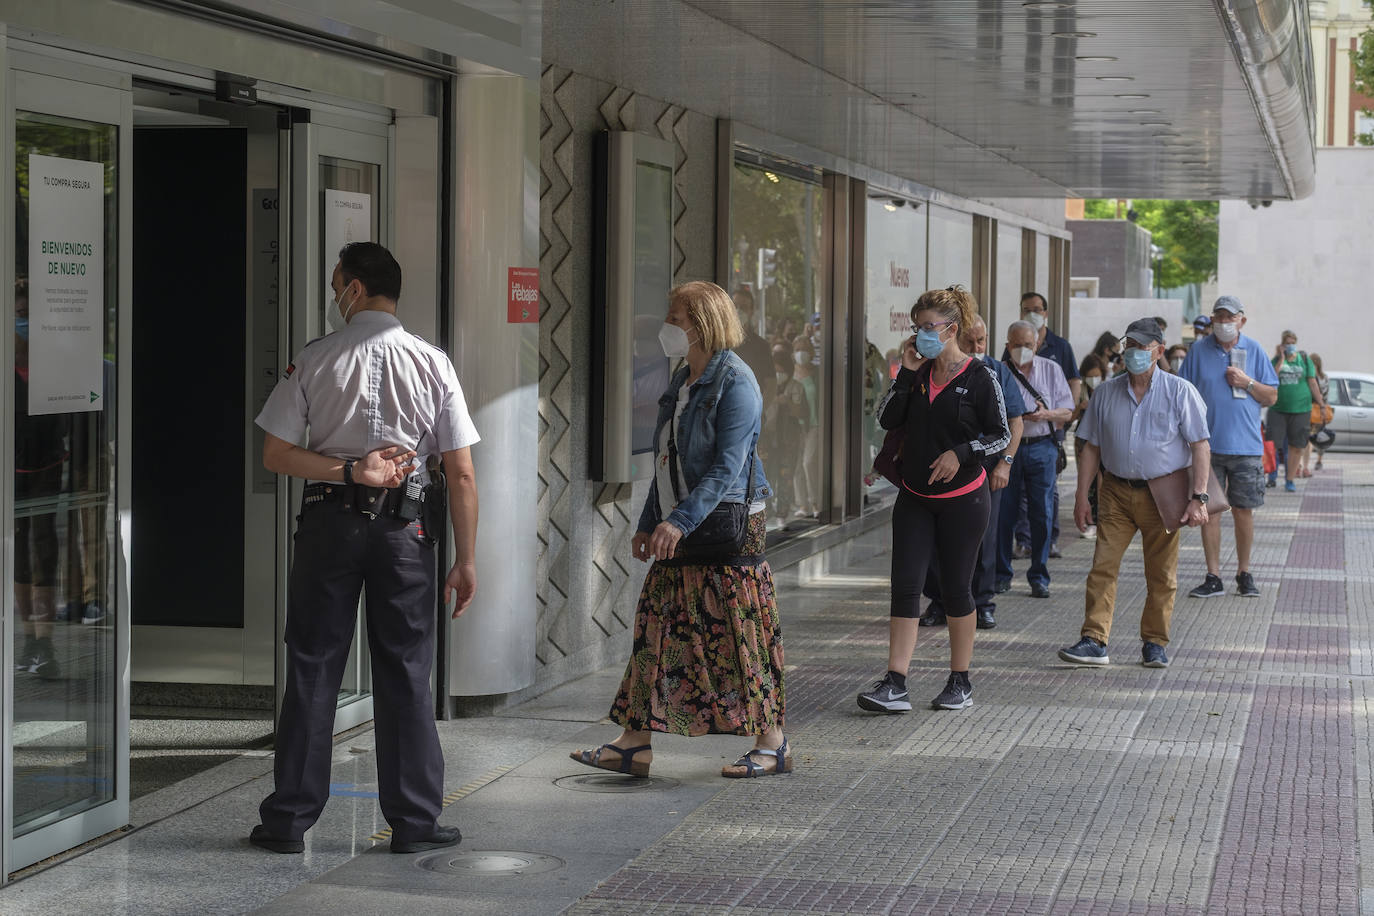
1352, 401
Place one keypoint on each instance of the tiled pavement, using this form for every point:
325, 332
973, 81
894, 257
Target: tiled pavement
1236, 781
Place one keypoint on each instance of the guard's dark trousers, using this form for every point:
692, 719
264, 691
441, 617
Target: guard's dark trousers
338, 551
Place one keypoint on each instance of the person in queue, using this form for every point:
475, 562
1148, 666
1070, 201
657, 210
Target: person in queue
1202, 326
1235, 380
974, 340
1093, 372
955, 420
1289, 420
1034, 470
1144, 425
707, 655
378, 408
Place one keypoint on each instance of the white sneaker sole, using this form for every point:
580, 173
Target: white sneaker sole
1218, 594
873, 705
964, 705
1089, 661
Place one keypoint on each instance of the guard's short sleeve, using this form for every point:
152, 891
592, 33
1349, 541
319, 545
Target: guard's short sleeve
284, 414
453, 427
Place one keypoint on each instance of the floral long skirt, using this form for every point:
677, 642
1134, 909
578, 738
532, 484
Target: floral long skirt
707, 653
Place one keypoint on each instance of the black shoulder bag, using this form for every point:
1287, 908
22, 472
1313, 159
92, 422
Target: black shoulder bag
1061, 460
720, 536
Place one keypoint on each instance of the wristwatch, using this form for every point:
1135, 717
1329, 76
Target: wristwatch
348, 471
1009, 459
1200, 497
1250, 385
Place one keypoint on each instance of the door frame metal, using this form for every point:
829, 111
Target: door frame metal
87, 93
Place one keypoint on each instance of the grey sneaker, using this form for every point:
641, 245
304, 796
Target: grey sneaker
958, 693
1211, 587
1087, 651
1152, 655
886, 697
1245, 585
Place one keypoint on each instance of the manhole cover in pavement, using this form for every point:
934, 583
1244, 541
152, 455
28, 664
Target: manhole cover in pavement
615, 782
493, 862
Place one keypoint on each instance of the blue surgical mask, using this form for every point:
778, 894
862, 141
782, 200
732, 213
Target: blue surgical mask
929, 344
1290, 349
1138, 361
21, 327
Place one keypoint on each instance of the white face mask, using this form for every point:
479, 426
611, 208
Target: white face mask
1022, 355
674, 341
337, 320
1092, 381
1036, 319
1225, 331
800, 358
1176, 363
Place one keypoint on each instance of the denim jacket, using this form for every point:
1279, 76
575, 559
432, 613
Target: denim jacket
718, 433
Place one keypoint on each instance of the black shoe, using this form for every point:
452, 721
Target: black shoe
958, 693
1211, 587
1152, 655
261, 838
441, 838
1271, 484
1245, 585
1020, 551
1054, 552
1039, 590
1003, 585
886, 697
933, 617
985, 619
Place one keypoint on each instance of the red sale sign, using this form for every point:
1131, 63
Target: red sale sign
522, 296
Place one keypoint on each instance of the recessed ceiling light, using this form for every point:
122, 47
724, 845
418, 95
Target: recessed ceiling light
1132, 95
1143, 111
1154, 123
1114, 79
1074, 34
1088, 58
1047, 5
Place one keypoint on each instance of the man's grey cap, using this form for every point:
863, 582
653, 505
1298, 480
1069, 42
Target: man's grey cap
1231, 304
1145, 331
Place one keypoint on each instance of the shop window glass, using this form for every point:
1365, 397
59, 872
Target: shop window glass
777, 278
1008, 290
951, 249
63, 464
894, 276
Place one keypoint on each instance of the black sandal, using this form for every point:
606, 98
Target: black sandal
626, 764
753, 769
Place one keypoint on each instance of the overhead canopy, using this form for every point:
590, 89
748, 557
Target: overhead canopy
1075, 98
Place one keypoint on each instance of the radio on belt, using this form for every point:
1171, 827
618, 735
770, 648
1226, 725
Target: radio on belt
414, 498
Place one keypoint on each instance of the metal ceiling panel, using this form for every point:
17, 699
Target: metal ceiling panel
1084, 98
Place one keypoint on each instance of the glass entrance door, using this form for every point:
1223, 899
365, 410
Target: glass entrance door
340, 176
65, 493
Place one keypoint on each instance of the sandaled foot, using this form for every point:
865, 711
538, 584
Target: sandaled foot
621, 760
761, 761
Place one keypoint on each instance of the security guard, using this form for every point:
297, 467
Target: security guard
375, 404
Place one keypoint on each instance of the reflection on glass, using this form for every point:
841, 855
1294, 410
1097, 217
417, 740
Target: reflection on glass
653, 275
894, 275
776, 280
63, 465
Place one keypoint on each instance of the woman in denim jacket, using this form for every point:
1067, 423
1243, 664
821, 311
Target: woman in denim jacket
707, 655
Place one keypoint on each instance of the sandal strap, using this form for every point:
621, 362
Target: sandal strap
627, 755
755, 769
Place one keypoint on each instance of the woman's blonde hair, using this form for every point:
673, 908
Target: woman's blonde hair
1317, 364
712, 313
954, 303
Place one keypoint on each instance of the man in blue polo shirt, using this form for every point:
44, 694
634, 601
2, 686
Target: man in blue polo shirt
1235, 378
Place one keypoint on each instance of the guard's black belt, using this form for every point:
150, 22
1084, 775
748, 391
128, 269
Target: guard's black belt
372, 500
1134, 484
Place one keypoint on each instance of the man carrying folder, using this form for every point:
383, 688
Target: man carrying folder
1141, 429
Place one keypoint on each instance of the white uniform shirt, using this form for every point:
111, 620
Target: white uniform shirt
369, 386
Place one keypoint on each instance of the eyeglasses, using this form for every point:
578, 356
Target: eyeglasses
928, 326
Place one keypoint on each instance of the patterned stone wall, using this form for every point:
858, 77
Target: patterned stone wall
587, 584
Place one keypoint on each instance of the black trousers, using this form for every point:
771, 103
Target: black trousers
919, 523
338, 551
984, 573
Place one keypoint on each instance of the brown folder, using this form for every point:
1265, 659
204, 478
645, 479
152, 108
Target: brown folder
1173, 492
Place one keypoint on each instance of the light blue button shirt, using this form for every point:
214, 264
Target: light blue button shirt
1234, 422
1145, 439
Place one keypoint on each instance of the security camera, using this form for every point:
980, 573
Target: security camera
1254, 204
1266, 203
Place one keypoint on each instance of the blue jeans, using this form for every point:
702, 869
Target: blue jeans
1032, 474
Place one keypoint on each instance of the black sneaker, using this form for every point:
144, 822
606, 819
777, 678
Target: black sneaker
886, 697
1211, 587
1152, 655
933, 617
441, 838
986, 620
1039, 590
1087, 651
1003, 585
958, 693
1245, 585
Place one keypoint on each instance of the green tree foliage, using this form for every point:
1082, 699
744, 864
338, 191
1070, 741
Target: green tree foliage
1185, 231
1362, 78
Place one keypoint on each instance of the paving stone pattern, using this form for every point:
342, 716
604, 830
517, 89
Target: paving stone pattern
1235, 781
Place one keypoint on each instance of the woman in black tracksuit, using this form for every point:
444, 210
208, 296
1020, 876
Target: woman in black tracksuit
952, 409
